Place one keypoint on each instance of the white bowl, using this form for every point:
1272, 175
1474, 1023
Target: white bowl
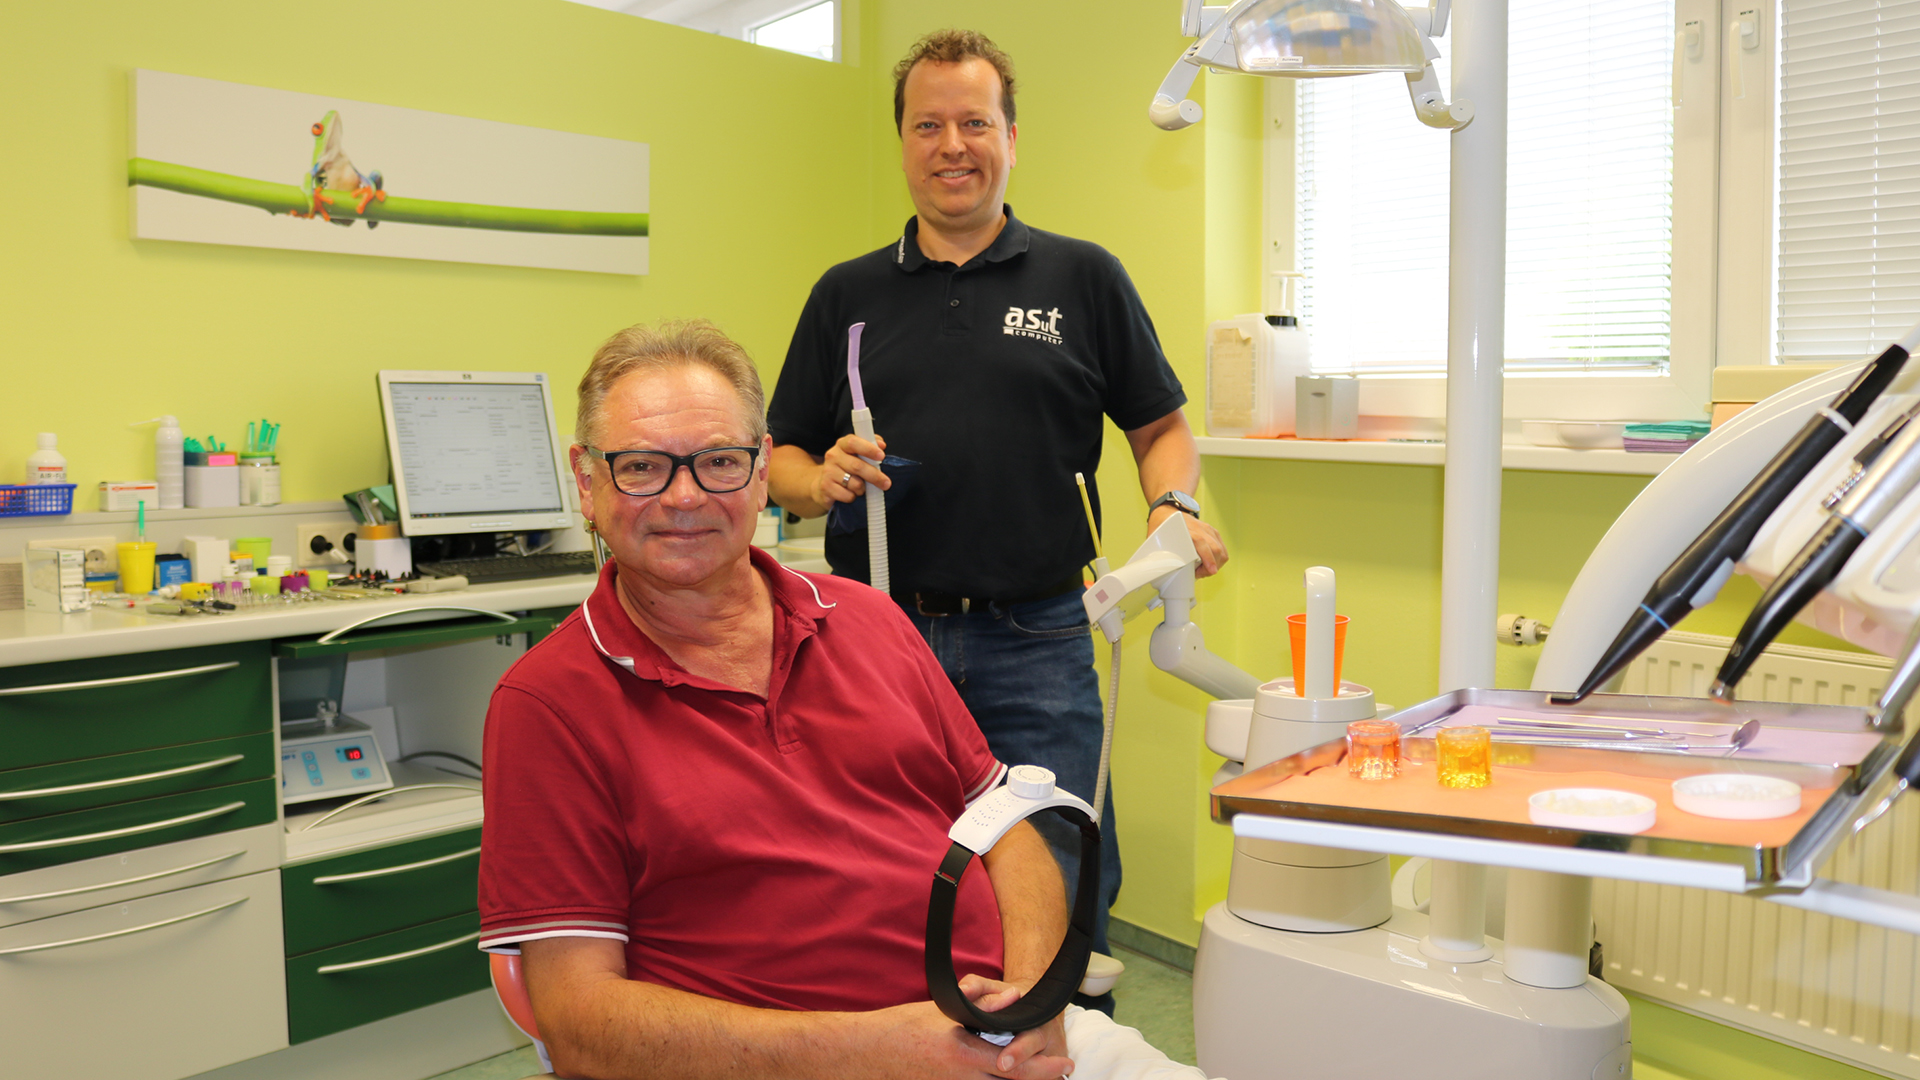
1593, 809
1736, 796
1575, 434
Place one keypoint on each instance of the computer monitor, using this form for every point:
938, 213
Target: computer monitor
475, 452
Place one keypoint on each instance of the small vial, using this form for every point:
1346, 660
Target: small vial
1373, 749
1464, 756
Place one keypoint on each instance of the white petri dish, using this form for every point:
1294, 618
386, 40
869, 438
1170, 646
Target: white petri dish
1595, 809
1736, 796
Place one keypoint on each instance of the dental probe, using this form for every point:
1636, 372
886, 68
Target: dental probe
877, 574
1883, 474
1696, 577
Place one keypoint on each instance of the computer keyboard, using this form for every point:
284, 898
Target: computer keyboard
511, 567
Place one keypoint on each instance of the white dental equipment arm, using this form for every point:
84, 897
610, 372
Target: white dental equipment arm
1212, 26
1165, 563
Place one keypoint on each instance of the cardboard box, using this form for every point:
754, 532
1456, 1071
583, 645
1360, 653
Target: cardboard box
129, 494
55, 580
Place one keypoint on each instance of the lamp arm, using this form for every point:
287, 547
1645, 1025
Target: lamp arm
1171, 109
1430, 102
1432, 20
1196, 20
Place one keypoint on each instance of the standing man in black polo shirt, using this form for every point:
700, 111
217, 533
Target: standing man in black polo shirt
991, 354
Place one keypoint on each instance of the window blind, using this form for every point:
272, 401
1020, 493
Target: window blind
1847, 251
1589, 202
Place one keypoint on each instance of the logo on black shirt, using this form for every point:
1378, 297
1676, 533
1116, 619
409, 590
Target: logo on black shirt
1033, 323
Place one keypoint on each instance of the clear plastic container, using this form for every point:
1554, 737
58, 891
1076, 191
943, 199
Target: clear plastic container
1252, 361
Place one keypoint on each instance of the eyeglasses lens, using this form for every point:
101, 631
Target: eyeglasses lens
647, 472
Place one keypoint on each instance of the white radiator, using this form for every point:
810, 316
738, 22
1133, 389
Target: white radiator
1833, 986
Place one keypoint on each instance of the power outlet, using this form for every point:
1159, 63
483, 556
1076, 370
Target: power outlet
103, 557
333, 550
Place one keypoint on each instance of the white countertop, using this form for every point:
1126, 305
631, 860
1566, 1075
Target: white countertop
35, 637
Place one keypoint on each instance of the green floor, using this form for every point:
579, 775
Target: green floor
1151, 996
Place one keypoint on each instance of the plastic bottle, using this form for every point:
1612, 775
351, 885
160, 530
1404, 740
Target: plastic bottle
169, 462
45, 465
1252, 361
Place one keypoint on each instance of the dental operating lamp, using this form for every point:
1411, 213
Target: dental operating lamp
1311, 39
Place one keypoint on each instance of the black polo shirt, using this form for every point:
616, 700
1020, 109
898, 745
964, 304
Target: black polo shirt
994, 376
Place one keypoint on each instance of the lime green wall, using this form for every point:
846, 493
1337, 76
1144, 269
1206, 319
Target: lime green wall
751, 196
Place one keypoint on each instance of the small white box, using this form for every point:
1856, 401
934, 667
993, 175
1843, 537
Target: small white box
55, 579
209, 556
213, 485
129, 494
393, 556
1326, 407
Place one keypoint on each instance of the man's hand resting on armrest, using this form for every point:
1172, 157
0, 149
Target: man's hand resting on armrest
600, 1025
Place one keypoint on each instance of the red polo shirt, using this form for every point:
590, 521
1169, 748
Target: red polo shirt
772, 852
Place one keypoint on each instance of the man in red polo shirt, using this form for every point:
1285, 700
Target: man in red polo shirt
716, 793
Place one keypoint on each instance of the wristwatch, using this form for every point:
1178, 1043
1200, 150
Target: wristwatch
1179, 500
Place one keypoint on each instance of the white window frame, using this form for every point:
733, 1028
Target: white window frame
753, 27
1719, 273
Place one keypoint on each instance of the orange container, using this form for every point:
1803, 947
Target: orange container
1297, 638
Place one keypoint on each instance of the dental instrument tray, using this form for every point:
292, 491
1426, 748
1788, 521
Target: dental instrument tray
1625, 743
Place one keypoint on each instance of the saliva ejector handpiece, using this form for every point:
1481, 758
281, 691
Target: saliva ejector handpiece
1884, 472
877, 573
1696, 577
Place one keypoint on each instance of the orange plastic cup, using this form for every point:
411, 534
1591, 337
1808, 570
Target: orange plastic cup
1297, 638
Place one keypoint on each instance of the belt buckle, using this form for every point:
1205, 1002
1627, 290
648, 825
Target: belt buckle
920, 605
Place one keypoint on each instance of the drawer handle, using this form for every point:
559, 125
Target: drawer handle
127, 881
122, 680
124, 933
328, 638
330, 969
335, 879
114, 834
122, 781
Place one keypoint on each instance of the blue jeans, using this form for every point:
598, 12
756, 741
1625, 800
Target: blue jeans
1026, 674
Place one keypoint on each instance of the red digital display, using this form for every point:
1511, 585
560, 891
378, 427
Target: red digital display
354, 753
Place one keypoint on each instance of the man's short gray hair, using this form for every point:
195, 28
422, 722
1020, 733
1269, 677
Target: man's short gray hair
692, 343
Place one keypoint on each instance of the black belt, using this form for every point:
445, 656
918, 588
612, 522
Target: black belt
944, 603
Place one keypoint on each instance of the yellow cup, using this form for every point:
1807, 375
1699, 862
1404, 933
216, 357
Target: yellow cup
136, 568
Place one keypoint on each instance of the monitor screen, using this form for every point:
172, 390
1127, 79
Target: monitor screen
474, 452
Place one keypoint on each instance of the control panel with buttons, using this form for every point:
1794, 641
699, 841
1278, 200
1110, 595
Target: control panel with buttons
337, 759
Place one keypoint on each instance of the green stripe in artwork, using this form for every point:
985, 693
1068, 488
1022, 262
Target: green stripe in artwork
288, 198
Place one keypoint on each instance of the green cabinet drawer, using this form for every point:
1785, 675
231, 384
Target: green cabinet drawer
114, 705
335, 989
337, 900
144, 774
104, 830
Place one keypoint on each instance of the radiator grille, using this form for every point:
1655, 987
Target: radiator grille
1833, 986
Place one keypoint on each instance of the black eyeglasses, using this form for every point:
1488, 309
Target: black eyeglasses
650, 472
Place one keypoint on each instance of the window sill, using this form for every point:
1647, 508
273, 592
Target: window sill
1512, 455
